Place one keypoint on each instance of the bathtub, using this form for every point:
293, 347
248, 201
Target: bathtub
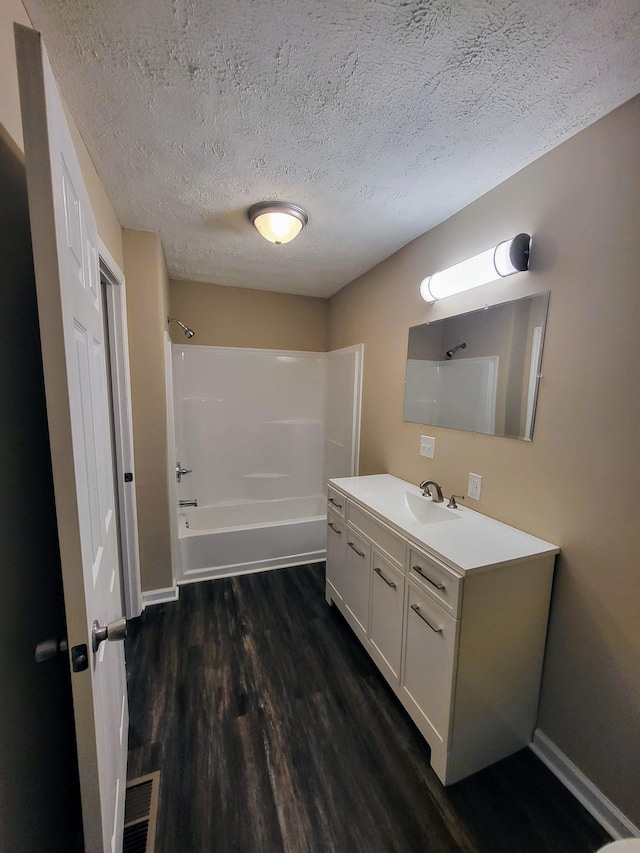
250, 536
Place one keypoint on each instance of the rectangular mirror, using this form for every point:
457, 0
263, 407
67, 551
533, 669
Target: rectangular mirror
478, 371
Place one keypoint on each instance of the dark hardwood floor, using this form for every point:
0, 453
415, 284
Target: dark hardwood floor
273, 731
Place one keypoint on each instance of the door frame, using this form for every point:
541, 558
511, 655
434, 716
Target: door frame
122, 428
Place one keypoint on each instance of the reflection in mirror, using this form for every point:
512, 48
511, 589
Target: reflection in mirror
478, 371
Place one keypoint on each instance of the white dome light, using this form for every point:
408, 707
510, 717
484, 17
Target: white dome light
278, 221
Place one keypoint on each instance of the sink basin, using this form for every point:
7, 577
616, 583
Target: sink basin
426, 511
409, 507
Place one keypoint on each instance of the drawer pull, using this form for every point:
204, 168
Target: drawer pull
416, 609
334, 528
418, 569
353, 548
335, 503
388, 583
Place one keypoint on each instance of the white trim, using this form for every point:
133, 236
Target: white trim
176, 556
293, 353
603, 810
110, 262
358, 350
196, 575
534, 380
160, 596
123, 429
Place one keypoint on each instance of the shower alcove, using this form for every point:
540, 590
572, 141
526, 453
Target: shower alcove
261, 432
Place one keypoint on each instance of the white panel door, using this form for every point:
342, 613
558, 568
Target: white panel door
73, 349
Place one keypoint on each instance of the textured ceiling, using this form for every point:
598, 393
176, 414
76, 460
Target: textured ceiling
380, 117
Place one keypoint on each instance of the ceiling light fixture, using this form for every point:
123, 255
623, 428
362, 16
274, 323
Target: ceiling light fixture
505, 259
278, 221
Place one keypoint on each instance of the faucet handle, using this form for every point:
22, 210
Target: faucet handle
452, 501
180, 471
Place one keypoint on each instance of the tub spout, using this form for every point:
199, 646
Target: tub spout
192, 502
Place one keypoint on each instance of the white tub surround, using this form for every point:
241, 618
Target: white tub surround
259, 432
452, 606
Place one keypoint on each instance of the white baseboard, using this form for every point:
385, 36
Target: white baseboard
603, 810
160, 596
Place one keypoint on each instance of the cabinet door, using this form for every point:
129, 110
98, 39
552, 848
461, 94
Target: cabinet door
387, 607
429, 661
336, 555
356, 590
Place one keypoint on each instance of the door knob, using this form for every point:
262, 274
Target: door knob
113, 631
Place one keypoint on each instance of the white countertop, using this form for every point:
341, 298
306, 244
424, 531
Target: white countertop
468, 542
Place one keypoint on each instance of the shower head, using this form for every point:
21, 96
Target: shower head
451, 352
189, 333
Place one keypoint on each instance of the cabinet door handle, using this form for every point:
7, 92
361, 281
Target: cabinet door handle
335, 503
416, 609
418, 569
334, 528
353, 548
388, 583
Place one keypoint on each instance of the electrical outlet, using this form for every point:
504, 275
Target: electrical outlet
475, 486
427, 446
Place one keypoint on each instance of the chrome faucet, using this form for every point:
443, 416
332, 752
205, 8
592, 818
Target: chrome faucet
193, 502
438, 498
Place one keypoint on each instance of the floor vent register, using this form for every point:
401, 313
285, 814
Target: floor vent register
140, 814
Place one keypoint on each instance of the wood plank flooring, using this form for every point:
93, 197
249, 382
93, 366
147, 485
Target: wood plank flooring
273, 731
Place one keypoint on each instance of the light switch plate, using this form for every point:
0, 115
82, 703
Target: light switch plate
427, 446
475, 486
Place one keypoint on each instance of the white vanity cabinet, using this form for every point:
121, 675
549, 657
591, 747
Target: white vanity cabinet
453, 612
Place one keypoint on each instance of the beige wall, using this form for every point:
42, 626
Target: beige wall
239, 317
10, 11
146, 272
106, 219
576, 484
147, 291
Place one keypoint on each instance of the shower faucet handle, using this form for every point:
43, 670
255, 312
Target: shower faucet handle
180, 472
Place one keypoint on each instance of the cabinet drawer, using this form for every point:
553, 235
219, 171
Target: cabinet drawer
336, 501
384, 538
336, 526
436, 579
429, 662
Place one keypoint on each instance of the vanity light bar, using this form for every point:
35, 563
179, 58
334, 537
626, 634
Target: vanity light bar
505, 259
